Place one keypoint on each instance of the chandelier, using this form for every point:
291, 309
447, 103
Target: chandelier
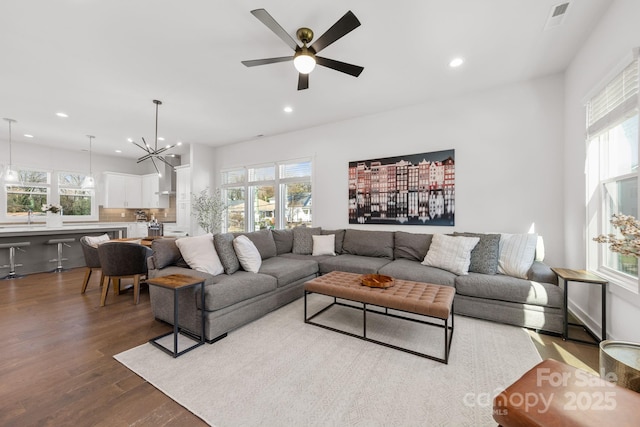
154, 153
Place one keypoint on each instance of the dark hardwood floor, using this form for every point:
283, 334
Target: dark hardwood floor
57, 366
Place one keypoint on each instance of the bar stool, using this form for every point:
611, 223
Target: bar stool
12, 258
60, 243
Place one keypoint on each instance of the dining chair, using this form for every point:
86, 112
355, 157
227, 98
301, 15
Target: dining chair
91, 260
122, 260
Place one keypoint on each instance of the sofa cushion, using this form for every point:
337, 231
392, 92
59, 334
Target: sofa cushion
352, 264
166, 252
283, 240
224, 247
263, 241
305, 257
288, 270
227, 290
339, 238
247, 254
199, 253
517, 252
450, 253
484, 257
506, 288
324, 245
411, 245
405, 269
368, 243
302, 240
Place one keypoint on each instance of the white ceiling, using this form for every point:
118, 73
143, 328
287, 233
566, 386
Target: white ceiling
103, 62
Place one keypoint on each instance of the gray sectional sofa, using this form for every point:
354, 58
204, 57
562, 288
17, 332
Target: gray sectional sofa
237, 297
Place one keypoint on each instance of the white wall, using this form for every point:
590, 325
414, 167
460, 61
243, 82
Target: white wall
508, 144
203, 174
611, 40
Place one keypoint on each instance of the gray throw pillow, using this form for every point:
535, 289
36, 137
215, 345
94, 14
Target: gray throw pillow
485, 256
263, 240
368, 243
339, 238
226, 253
411, 245
166, 252
284, 240
302, 240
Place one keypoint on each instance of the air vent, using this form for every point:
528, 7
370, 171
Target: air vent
557, 15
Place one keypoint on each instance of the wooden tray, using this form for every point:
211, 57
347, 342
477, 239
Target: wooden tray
377, 280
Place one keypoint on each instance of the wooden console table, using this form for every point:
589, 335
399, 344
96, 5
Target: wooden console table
582, 276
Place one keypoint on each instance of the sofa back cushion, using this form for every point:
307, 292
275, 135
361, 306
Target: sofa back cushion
263, 241
411, 245
166, 252
339, 239
302, 240
484, 257
283, 240
224, 248
368, 243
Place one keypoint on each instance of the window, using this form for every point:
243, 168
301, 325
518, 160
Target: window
27, 195
75, 200
612, 171
278, 196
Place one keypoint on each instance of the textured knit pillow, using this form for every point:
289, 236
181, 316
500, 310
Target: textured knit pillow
517, 252
451, 253
484, 257
224, 247
200, 254
302, 240
324, 245
247, 253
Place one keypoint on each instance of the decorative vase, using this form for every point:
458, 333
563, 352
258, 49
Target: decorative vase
54, 219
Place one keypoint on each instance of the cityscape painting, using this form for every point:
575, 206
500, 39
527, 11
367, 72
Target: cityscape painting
417, 189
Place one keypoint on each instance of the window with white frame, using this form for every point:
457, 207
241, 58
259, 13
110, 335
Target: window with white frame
275, 195
75, 201
27, 195
612, 171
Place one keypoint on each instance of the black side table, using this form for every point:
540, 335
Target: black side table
582, 276
177, 282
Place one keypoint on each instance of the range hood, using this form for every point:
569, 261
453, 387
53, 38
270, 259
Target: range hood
168, 179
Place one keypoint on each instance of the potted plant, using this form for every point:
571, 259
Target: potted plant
208, 209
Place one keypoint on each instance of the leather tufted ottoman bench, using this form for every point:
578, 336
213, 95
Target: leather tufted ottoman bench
432, 301
553, 393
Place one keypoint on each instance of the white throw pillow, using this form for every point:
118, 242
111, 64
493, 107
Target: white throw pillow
200, 254
451, 253
95, 241
247, 253
517, 252
324, 245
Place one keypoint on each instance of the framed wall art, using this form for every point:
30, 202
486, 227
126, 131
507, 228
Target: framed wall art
416, 189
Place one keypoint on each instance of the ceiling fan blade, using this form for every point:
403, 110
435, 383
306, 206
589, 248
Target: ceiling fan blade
343, 67
254, 62
344, 26
271, 23
303, 81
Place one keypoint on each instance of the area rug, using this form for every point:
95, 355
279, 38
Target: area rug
279, 371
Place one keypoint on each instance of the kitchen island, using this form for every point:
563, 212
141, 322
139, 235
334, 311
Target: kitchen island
39, 256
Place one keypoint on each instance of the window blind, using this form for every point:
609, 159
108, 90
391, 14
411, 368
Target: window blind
614, 101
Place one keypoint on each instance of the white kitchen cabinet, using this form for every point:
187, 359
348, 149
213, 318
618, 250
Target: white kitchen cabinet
150, 193
122, 190
183, 197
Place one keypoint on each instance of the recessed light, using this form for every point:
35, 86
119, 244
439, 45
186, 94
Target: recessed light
63, 115
118, 151
456, 62
288, 109
129, 139
160, 138
26, 135
179, 143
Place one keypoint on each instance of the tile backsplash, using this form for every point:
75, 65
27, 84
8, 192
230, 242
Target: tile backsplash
129, 215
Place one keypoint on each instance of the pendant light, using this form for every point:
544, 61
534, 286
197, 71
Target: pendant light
10, 175
88, 181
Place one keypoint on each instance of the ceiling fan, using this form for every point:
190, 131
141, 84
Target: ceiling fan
305, 58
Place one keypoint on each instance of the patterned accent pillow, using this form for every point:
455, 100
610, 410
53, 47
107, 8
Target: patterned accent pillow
302, 240
451, 253
224, 247
484, 257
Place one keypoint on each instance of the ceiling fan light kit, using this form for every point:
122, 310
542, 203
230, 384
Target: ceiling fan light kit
305, 59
